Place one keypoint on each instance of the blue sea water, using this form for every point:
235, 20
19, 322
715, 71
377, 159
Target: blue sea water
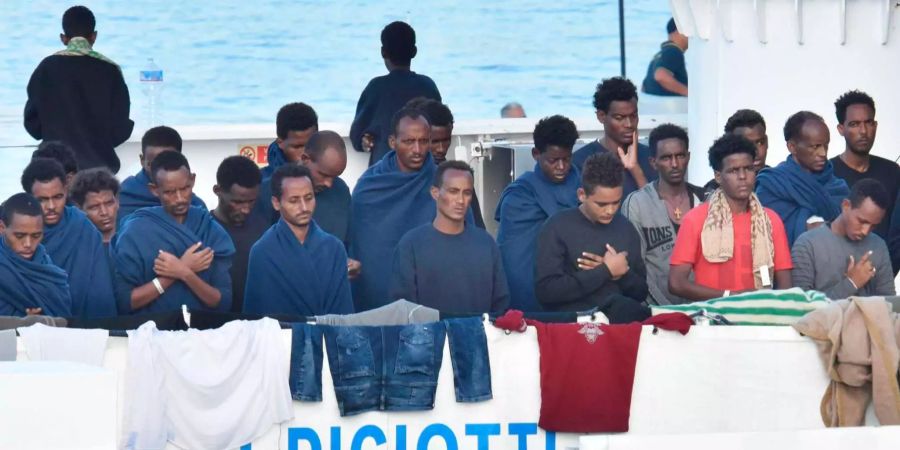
231, 62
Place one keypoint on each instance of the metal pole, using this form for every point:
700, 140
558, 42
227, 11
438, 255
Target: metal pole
622, 35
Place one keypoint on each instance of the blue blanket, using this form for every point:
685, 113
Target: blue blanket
76, 246
287, 277
135, 194
386, 203
37, 283
796, 194
275, 158
523, 208
149, 230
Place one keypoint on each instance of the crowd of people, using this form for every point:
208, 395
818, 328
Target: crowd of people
613, 225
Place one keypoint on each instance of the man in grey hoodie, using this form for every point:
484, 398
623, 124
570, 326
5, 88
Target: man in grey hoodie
657, 208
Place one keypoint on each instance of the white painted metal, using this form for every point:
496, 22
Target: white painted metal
765, 68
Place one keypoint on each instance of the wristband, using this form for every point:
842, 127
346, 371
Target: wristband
726, 293
852, 283
158, 286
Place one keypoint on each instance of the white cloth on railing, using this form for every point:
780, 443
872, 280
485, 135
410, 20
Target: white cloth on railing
44, 343
210, 389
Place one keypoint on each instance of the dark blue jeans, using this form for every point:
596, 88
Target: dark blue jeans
392, 368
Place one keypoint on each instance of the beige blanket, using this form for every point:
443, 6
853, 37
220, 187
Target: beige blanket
859, 341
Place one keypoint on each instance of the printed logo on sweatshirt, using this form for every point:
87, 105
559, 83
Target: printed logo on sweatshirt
658, 236
591, 332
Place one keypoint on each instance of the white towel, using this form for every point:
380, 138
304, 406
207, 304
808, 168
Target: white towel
43, 343
209, 389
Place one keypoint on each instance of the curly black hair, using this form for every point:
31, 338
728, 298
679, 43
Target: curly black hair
296, 116
398, 40
612, 90
746, 118
438, 114
729, 144
161, 136
21, 203
406, 111
794, 125
287, 171
43, 170
59, 151
871, 189
78, 21
94, 180
851, 98
555, 130
667, 131
169, 161
239, 170
602, 169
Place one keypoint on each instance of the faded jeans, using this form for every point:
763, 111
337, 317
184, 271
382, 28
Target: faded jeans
391, 368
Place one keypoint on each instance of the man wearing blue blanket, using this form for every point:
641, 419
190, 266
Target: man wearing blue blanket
175, 254
135, 191
29, 281
391, 198
803, 189
72, 241
528, 201
296, 268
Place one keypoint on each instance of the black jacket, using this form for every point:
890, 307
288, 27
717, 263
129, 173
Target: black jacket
83, 102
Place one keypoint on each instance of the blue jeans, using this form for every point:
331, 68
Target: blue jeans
391, 368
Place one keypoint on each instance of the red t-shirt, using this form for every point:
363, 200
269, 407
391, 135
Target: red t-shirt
736, 274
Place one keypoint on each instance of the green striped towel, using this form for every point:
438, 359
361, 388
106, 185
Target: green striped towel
765, 307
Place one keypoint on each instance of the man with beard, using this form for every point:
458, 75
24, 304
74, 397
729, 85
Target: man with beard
174, 254
237, 187
72, 241
855, 112
803, 189
296, 268
658, 208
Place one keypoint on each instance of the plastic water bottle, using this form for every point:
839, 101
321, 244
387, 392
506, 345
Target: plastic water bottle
151, 85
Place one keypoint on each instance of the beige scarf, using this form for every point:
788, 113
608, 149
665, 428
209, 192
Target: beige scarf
717, 236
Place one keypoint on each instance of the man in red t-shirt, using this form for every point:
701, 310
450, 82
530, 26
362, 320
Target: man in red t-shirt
731, 243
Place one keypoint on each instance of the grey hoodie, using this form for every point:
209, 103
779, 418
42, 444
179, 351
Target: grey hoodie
647, 211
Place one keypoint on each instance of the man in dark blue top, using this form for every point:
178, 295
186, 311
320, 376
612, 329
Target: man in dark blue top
29, 281
616, 103
666, 74
294, 125
385, 95
529, 200
72, 241
135, 193
446, 264
295, 267
175, 254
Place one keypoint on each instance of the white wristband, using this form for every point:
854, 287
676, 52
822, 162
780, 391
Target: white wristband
852, 283
158, 286
726, 293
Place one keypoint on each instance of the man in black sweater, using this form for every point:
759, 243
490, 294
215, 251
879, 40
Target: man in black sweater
591, 256
78, 96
